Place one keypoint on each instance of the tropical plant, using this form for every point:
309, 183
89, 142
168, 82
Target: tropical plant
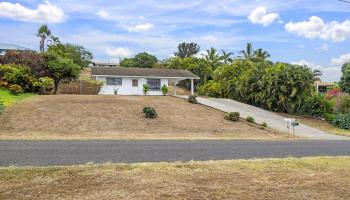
316, 106
150, 112
15, 89
145, 89
233, 116
317, 74
226, 57
248, 53
260, 55
345, 79
342, 121
165, 90
43, 32
212, 58
16, 75
185, 50
80, 55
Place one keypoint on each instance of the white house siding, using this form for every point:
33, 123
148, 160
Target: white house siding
126, 87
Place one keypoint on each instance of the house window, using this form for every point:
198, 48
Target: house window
114, 81
135, 82
154, 84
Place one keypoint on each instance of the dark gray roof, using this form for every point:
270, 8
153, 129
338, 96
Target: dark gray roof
142, 72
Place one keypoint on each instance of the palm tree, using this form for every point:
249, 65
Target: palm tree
261, 54
317, 74
248, 52
43, 33
213, 58
226, 57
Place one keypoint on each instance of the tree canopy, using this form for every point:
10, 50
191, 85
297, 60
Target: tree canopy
142, 60
345, 79
185, 50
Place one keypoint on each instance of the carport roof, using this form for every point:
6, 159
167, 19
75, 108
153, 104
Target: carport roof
142, 72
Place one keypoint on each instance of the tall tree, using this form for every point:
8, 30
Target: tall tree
142, 60
345, 79
248, 53
43, 32
226, 57
185, 50
261, 55
317, 74
78, 54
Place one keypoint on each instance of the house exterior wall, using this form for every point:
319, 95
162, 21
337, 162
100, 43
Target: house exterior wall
126, 88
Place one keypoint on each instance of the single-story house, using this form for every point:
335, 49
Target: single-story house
322, 87
130, 81
105, 64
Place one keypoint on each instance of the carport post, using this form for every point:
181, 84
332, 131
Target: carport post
175, 88
192, 87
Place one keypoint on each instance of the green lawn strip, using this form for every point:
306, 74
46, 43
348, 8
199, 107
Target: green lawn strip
10, 99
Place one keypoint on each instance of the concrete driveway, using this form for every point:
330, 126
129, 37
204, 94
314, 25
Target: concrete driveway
273, 120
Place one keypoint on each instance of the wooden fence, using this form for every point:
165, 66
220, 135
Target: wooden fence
78, 87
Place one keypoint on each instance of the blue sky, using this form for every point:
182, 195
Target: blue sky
312, 32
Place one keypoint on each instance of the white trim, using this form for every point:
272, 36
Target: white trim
145, 77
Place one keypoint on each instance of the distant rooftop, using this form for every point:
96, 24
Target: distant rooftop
4, 46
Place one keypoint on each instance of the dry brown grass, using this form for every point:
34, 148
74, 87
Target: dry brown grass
121, 117
306, 178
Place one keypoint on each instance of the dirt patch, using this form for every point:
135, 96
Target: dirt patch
306, 178
99, 117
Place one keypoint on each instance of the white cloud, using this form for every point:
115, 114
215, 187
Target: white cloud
103, 14
139, 27
260, 16
209, 38
119, 52
315, 27
341, 60
329, 73
44, 13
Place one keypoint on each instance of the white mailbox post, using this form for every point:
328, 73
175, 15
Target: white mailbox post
291, 123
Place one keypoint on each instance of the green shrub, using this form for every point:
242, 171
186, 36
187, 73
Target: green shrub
2, 107
3, 84
316, 106
329, 117
15, 89
342, 103
233, 116
250, 119
150, 112
17, 75
192, 99
165, 90
145, 89
342, 121
264, 124
44, 85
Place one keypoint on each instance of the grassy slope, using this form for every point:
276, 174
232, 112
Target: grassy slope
10, 99
290, 178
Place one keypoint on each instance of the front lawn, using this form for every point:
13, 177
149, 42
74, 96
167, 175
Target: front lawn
10, 99
121, 117
290, 178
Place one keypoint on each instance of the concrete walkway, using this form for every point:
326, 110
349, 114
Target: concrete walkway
273, 120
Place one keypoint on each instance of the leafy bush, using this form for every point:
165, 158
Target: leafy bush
264, 124
329, 117
233, 116
2, 107
44, 85
3, 84
250, 119
150, 112
192, 99
16, 74
145, 89
165, 90
342, 103
316, 106
342, 121
15, 89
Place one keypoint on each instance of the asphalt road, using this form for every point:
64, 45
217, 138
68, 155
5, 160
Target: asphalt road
49, 153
